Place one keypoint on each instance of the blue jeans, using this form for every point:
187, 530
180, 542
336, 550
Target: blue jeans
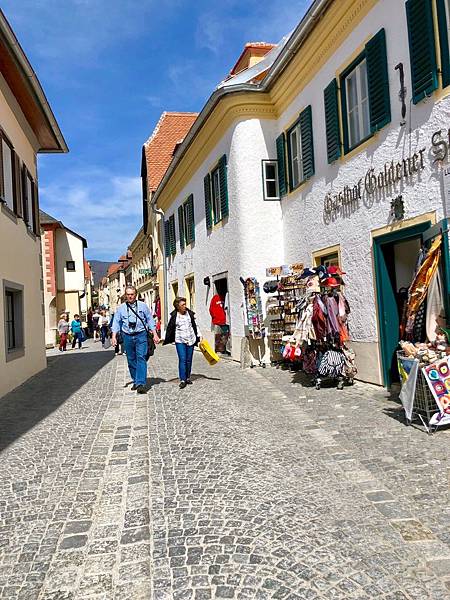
185, 355
103, 333
136, 349
77, 337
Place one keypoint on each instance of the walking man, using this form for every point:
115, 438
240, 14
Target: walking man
134, 319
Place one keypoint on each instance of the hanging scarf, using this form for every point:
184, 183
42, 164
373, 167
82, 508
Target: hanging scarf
419, 287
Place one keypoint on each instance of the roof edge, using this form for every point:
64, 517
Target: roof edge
298, 35
36, 88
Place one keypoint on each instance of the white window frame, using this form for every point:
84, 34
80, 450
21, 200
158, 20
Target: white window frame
215, 196
361, 106
447, 17
186, 233
295, 155
8, 173
267, 180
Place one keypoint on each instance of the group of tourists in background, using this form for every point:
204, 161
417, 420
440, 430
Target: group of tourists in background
134, 332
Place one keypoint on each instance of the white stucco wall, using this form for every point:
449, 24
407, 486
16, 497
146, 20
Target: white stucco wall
247, 242
69, 247
305, 227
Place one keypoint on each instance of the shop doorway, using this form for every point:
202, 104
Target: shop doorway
220, 314
395, 259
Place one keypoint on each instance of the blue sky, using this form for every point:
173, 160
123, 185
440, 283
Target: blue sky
109, 69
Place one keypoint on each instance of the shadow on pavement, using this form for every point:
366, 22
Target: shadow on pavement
33, 401
194, 378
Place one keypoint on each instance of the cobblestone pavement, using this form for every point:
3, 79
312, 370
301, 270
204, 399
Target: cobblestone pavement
244, 485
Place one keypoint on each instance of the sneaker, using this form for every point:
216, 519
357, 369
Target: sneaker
141, 389
182, 385
134, 387
188, 381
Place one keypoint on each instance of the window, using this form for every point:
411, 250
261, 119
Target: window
190, 292
216, 193
443, 14
10, 324
70, 265
186, 222
300, 149
217, 212
365, 98
270, 180
7, 170
357, 95
13, 317
169, 236
328, 257
174, 290
295, 151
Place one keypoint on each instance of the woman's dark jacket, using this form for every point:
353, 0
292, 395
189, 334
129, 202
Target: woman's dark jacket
171, 327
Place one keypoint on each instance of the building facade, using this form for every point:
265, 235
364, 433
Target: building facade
64, 274
337, 155
27, 126
142, 264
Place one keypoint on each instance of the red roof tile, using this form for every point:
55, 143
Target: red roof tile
171, 129
113, 269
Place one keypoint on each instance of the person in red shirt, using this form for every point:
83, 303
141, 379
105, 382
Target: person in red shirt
219, 322
217, 310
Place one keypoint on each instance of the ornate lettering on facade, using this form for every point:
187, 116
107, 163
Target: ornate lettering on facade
374, 181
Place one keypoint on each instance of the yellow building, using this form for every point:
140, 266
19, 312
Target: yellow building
143, 274
27, 126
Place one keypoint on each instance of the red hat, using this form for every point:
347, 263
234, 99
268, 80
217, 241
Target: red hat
335, 271
331, 282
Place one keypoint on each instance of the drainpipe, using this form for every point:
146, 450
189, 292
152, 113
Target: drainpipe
156, 211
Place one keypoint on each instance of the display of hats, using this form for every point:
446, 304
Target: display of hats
307, 273
270, 286
334, 270
331, 282
322, 272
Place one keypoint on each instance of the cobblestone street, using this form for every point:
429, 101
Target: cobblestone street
244, 485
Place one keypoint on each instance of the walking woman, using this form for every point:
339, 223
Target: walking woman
103, 323
183, 330
75, 326
63, 330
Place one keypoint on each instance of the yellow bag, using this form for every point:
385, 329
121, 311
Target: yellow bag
208, 352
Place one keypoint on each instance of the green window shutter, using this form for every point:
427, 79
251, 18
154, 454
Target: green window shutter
208, 206
36, 221
190, 226
378, 82
173, 243
181, 226
223, 186
330, 98
422, 49
444, 42
167, 238
281, 157
306, 134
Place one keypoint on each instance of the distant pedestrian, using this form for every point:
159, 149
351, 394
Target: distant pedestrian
118, 348
90, 322
134, 319
77, 331
103, 326
95, 319
63, 331
183, 330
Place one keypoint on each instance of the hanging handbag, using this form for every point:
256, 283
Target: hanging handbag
151, 346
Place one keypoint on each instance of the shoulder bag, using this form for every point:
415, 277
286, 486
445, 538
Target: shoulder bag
151, 346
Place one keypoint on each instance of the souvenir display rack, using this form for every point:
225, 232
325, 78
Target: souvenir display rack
253, 308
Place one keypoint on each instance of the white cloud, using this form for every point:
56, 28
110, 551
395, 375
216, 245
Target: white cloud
104, 208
